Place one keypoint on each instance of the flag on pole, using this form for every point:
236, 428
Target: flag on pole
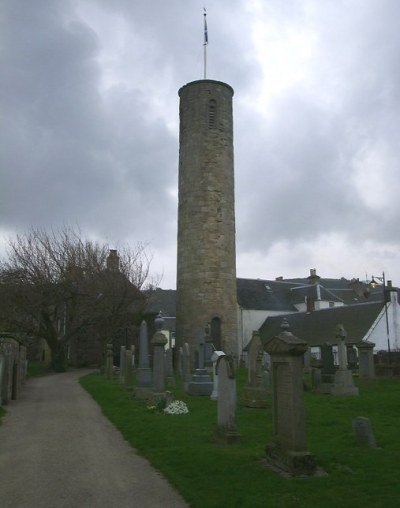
205, 28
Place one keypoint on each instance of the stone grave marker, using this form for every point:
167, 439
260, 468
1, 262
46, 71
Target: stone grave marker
144, 377
128, 368
214, 358
122, 364
186, 374
200, 383
363, 432
109, 370
255, 393
288, 449
169, 369
158, 342
366, 359
343, 382
226, 406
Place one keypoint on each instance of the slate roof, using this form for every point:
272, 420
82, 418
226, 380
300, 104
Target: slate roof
319, 327
281, 295
163, 300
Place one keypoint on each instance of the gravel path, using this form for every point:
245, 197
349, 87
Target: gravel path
58, 451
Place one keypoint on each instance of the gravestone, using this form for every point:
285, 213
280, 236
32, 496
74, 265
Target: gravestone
144, 377
158, 342
328, 369
363, 432
169, 369
255, 393
180, 361
133, 351
366, 359
128, 368
200, 383
288, 450
226, 406
109, 370
208, 348
214, 358
122, 365
186, 374
343, 382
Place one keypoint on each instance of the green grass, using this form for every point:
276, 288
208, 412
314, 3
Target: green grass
210, 475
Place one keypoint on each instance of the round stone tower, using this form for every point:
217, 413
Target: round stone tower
206, 271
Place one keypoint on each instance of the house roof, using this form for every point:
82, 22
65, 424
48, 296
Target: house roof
163, 300
319, 327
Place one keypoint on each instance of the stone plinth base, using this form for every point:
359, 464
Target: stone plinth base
227, 436
201, 383
295, 463
143, 392
344, 384
255, 396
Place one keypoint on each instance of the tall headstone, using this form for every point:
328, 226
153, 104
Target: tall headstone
343, 382
366, 359
200, 383
128, 368
328, 369
169, 369
206, 259
214, 358
109, 370
186, 371
288, 449
144, 378
158, 342
122, 364
226, 419
255, 393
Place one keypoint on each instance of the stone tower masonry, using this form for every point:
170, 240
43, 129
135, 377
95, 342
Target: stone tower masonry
206, 271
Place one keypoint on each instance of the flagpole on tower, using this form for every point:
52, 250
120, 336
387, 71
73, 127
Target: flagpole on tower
205, 44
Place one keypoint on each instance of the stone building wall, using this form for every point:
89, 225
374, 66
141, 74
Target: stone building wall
206, 270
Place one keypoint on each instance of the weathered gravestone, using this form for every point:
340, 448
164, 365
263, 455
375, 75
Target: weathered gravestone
363, 432
366, 359
109, 370
255, 393
122, 364
200, 383
288, 450
169, 368
208, 348
343, 382
158, 342
144, 377
328, 369
128, 368
186, 374
214, 358
226, 406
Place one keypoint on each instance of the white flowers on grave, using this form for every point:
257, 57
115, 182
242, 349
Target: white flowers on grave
177, 407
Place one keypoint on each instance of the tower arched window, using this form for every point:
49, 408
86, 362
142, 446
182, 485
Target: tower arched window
212, 113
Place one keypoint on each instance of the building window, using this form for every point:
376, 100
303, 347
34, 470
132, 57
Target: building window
212, 113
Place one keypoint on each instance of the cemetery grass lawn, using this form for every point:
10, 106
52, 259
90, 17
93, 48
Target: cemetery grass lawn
209, 474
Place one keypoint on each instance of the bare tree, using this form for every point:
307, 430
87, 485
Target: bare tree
59, 287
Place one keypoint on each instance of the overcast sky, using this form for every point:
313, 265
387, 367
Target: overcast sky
89, 125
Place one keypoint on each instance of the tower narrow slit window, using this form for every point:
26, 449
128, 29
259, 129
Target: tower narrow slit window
212, 113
